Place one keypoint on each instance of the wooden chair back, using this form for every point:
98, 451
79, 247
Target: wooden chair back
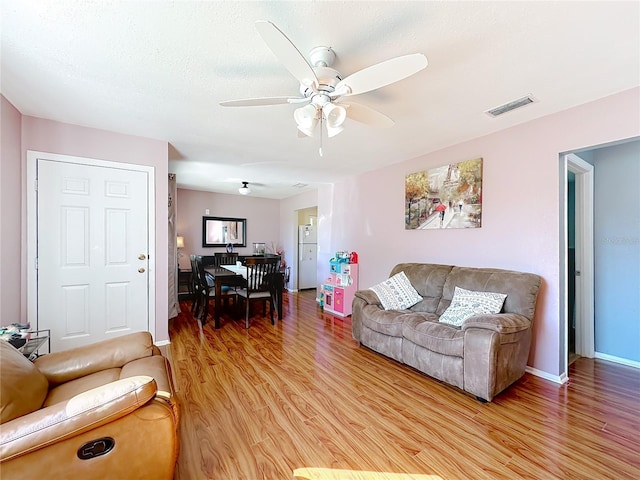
225, 258
257, 269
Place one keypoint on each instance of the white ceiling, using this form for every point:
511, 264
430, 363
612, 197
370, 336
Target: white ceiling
159, 70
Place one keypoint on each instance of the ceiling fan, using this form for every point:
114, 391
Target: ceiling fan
322, 88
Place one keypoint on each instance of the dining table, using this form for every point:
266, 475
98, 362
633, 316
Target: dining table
224, 276
235, 276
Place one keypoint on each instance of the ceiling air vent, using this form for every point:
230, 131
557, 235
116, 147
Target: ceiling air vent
507, 107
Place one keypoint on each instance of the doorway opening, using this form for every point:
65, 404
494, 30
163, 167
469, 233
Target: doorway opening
307, 239
578, 260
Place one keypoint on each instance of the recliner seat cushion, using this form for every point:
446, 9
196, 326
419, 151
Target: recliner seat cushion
425, 330
68, 390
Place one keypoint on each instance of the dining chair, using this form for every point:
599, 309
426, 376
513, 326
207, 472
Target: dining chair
257, 285
195, 285
204, 286
226, 258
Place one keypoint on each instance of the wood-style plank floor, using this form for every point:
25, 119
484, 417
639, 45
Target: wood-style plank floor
259, 403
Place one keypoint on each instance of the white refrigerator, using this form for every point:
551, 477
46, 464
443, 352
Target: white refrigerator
307, 257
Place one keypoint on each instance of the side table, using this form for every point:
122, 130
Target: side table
37, 338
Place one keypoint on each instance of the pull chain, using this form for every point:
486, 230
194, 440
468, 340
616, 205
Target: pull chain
321, 130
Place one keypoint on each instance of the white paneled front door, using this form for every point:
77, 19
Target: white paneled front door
92, 251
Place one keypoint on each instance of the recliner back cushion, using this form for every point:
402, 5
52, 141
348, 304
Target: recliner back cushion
23, 387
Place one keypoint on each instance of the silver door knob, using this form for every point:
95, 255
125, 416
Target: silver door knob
142, 256
141, 270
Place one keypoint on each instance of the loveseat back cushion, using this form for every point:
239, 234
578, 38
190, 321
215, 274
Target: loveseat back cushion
521, 288
428, 279
22, 387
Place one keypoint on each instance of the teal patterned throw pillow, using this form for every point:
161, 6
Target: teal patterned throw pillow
467, 303
396, 293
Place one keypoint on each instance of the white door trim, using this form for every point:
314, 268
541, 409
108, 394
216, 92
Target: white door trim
585, 327
32, 226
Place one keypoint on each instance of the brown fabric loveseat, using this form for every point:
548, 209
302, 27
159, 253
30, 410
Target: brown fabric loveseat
483, 356
104, 411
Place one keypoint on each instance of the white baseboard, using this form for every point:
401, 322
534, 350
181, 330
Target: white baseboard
162, 343
622, 361
547, 376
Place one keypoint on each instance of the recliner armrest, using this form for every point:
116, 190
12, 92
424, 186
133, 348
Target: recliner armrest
369, 296
61, 367
500, 322
81, 413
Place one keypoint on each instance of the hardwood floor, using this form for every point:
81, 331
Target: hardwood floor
259, 403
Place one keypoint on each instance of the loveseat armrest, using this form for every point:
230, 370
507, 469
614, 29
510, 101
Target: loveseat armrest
61, 367
81, 413
504, 323
369, 296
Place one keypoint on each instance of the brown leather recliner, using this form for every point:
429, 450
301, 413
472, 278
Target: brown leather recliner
102, 411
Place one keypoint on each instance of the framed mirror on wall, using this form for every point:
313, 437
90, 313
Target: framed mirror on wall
221, 231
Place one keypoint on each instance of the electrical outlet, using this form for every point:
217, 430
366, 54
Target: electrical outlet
206, 212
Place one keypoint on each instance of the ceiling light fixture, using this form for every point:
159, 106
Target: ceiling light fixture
244, 189
334, 116
320, 108
306, 118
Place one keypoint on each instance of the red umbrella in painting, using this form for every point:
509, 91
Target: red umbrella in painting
441, 208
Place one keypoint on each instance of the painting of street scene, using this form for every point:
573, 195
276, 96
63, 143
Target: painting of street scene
445, 197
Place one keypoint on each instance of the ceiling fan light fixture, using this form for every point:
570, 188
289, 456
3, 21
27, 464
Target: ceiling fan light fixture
334, 115
244, 189
333, 131
306, 118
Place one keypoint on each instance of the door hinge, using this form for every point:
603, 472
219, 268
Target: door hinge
36, 262
35, 185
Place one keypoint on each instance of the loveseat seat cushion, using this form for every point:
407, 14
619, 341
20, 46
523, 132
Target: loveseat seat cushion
425, 330
23, 387
387, 322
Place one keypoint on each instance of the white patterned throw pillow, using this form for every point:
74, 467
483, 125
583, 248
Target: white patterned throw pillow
396, 293
467, 303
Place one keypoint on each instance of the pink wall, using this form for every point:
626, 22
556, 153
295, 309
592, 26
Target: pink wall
10, 215
521, 208
262, 214
55, 137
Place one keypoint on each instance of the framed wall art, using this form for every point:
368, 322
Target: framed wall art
449, 196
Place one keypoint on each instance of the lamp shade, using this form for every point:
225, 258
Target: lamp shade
306, 118
180, 241
334, 116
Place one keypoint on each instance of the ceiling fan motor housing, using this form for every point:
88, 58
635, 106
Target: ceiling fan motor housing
327, 77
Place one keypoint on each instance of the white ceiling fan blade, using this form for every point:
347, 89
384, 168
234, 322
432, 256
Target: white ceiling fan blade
256, 102
381, 74
367, 115
287, 53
